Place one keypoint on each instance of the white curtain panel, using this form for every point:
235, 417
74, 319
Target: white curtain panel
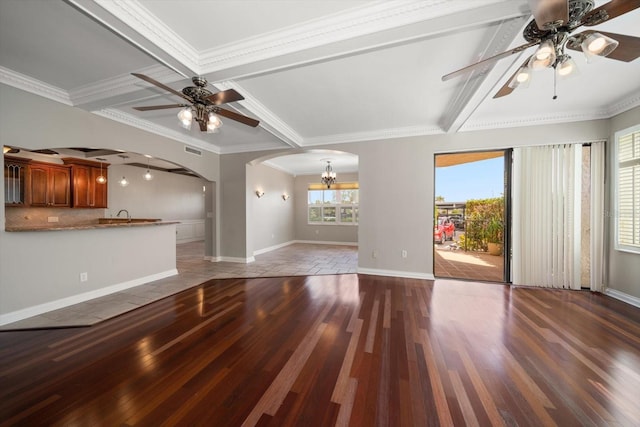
546, 216
597, 216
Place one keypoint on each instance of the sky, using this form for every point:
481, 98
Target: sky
476, 180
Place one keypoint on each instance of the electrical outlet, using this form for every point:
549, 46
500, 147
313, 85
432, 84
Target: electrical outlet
317, 231
374, 254
52, 219
404, 253
84, 276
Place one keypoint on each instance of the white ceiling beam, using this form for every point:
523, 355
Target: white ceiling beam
479, 83
126, 19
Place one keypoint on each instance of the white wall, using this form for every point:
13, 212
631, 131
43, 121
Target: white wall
623, 269
318, 232
270, 219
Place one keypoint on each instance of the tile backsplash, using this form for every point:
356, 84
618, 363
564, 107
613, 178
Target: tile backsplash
33, 217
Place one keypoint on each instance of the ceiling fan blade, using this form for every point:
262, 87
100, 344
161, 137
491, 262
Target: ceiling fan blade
487, 60
614, 8
549, 13
225, 96
162, 86
506, 89
628, 50
237, 117
159, 107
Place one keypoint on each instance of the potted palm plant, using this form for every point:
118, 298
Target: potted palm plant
494, 232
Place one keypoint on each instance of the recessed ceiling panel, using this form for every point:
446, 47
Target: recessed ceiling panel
381, 89
226, 21
56, 44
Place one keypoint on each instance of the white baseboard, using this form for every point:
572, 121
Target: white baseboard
233, 259
629, 299
291, 242
36, 310
321, 242
273, 248
395, 273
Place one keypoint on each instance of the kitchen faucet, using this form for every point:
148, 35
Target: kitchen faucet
123, 210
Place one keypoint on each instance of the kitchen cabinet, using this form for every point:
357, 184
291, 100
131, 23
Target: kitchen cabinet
86, 191
16, 181
50, 185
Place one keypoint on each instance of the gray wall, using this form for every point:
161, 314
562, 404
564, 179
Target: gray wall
396, 207
319, 232
167, 196
270, 219
43, 266
623, 268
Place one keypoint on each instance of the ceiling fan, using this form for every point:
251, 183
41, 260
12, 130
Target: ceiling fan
204, 106
551, 30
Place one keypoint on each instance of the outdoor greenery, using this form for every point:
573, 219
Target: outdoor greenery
484, 223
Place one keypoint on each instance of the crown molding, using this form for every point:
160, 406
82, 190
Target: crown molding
619, 107
546, 119
36, 87
120, 85
130, 120
625, 104
138, 18
359, 21
268, 120
373, 135
249, 148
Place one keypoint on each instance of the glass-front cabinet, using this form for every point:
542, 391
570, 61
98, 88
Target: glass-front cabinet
15, 181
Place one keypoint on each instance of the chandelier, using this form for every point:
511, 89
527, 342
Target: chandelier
328, 177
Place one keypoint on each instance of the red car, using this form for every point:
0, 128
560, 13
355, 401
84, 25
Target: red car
444, 230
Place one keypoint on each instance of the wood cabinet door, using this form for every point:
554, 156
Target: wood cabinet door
60, 186
39, 190
82, 188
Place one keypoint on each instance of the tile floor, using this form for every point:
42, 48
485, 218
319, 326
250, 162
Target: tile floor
293, 260
459, 264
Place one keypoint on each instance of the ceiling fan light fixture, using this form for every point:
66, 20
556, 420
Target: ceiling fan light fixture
597, 45
544, 57
567, 67
214, 123
522, 78
185, 116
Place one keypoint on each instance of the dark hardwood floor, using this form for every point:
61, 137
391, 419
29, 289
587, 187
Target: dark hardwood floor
335, 350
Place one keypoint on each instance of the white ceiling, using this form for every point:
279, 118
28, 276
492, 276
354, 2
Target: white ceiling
313, 72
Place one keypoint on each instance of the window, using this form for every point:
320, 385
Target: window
337, 205
627, 190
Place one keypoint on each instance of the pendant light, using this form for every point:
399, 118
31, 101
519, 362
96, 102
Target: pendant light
123, 182
101, 179
147, 176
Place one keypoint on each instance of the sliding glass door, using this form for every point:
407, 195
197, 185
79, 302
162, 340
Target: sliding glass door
471, 232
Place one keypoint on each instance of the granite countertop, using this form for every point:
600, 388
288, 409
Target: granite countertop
117, 224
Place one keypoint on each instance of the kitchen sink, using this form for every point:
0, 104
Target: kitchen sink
126, 220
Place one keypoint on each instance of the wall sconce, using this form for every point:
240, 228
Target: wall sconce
259, 193
285, 197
